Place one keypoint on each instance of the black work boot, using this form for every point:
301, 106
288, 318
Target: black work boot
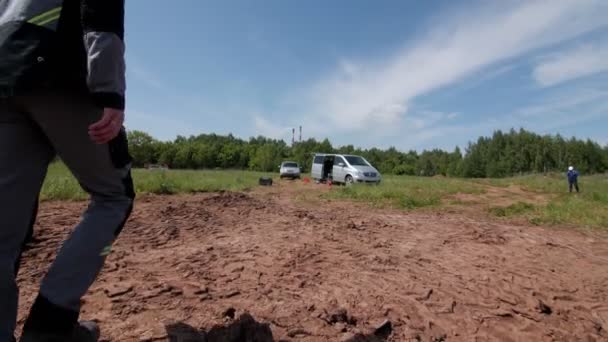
48, 322
86, 331
83, 332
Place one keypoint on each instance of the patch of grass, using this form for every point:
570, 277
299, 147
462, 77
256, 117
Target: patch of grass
61, 185
586, 209
578, 209
182, 181
459, 202
589, 208
407, 192
518, 208
550, 183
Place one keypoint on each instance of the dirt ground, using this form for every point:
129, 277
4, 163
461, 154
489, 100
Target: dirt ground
274, 265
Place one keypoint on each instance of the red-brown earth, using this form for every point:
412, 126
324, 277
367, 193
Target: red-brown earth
269, 265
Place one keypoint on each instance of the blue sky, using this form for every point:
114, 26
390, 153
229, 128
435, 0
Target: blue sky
409, 74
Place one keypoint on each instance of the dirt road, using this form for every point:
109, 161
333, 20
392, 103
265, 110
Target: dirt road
220, 267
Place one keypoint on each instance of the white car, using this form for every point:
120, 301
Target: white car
289, 169
344, 168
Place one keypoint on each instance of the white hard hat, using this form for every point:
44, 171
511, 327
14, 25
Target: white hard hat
571, 168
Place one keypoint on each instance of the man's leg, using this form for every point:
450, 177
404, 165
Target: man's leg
24, 157
576, 186
28, 236
104, 172
570, 186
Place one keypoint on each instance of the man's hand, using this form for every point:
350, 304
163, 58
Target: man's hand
108, 127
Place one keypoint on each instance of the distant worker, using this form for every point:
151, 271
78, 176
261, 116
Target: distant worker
572, 178
62, 92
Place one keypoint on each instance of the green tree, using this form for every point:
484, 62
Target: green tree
183, 157
142, 148
455, 163
267, 157
499, 155
203, 156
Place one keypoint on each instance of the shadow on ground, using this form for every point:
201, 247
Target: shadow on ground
244, 329
381, 334
247, 329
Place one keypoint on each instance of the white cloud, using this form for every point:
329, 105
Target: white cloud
579, 62
482, 76
563, 103
452, 115
426, 118
565, 109
271, 130
160, 127
349, 68
374, 95
547, 116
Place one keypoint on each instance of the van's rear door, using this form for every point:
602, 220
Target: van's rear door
317, 167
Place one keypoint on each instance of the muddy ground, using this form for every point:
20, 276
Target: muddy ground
272, 265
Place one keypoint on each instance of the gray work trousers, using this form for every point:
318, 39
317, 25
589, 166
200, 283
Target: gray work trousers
33, 130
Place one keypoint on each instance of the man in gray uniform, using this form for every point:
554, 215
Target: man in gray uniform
62, 88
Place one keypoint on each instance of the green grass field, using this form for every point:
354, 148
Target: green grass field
60, 185
408, 192
589, 209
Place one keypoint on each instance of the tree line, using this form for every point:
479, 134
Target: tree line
503, 154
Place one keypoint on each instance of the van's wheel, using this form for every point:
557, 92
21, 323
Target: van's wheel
349, 180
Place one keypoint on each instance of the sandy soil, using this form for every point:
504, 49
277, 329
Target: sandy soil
269, 265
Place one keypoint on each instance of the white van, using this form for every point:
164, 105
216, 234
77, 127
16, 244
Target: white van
344, 168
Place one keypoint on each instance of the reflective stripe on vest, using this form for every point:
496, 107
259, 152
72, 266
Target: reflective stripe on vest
46, 17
